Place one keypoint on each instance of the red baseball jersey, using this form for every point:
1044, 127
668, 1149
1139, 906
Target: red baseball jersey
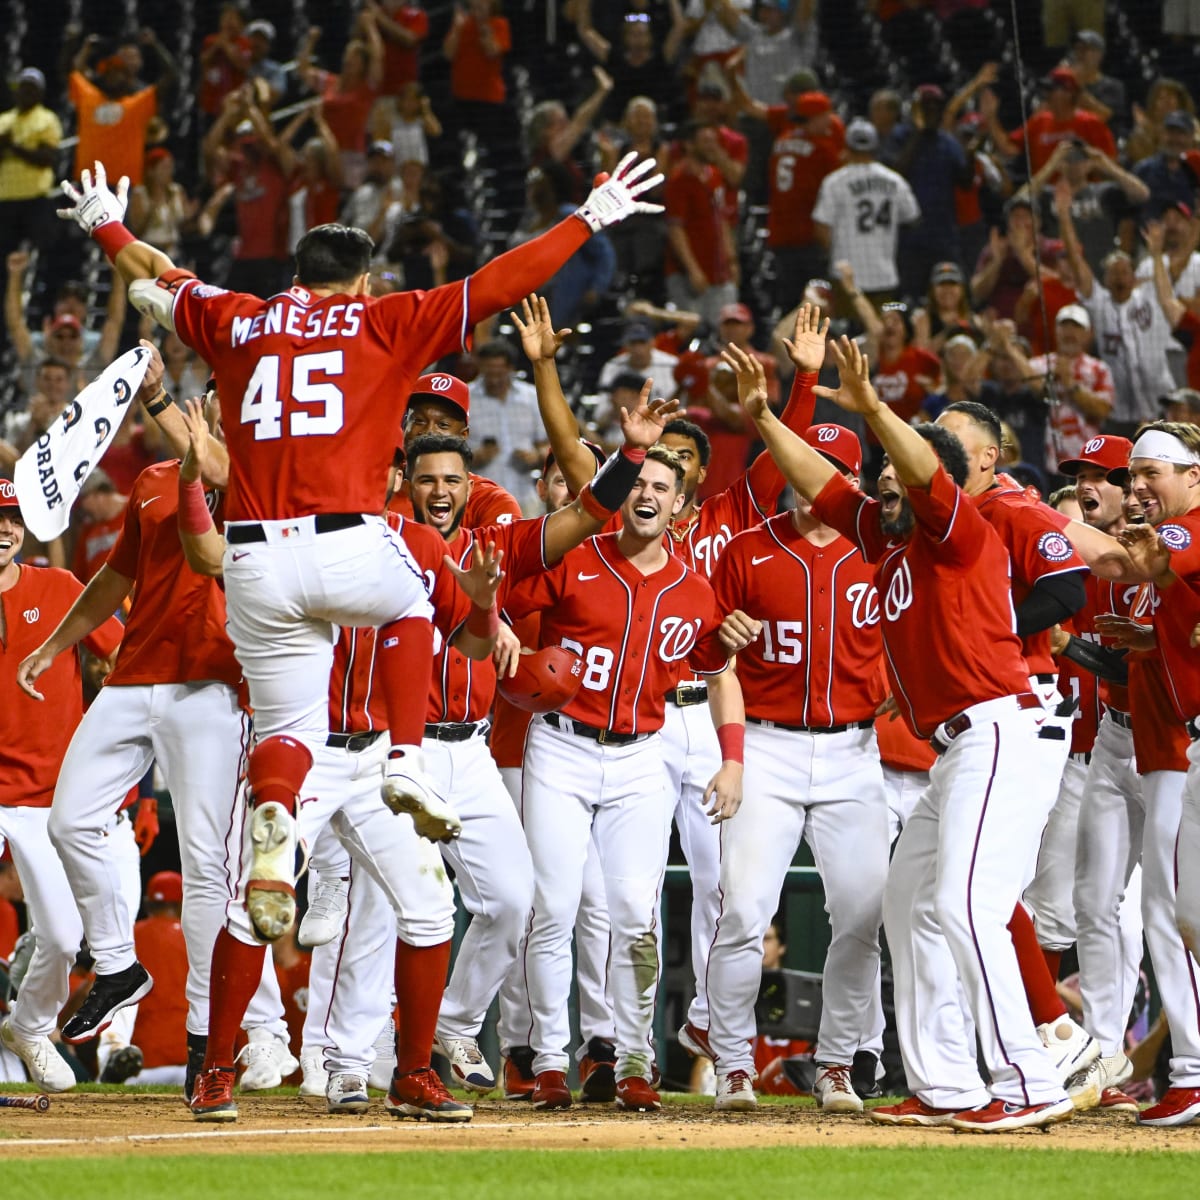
160, 1031
632, 630
1078, 682
1126, 600
1037, 549
510, 724
1160, 738
798, 164
949, 632
96, 540
34, 735
488, 504
175, 632
817, 661
354, 704
463, 690
1178, 613
897, 382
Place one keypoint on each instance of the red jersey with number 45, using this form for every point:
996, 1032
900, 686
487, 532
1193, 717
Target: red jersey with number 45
312, 389
463, 690
1037, 550
631, 630
817, 661
1178, 613
949, 632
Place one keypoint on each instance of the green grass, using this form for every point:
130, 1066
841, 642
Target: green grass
924, 1173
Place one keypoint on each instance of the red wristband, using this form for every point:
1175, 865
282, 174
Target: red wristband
732, 740
635, 454
112, 238
194, 517
483, 622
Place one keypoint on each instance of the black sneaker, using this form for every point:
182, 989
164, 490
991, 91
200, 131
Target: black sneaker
109, 994
864, 1075
597, 1072
122, 1065
197, 1048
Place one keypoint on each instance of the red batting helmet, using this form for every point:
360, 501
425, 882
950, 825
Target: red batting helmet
544, 681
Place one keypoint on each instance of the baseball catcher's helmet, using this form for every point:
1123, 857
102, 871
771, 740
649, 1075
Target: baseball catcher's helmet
544, 681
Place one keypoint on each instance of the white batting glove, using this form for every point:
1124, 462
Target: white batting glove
616, 198
96, 204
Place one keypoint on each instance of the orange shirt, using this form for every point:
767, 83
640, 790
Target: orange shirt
176, 627
111, 131
161, 1028
473, 75
34, 735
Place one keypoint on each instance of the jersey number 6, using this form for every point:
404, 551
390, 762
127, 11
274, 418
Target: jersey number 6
263, 408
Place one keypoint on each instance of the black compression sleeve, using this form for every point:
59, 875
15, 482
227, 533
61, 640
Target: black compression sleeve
1053, 599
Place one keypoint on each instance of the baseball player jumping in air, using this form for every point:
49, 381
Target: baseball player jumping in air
310, 382
970, 844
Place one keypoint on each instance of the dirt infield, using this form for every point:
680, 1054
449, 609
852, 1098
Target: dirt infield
87, 1125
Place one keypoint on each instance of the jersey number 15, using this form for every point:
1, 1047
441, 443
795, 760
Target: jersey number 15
263, 408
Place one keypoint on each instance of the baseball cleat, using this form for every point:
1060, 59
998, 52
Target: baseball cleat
634, 1094
1112, 1099
913, 1111
109, 994
1179, 1106
467, 1064
122, 1064
695, 1041
47, 1068
866, 1074
197, 1049
550, 1090
314, 1077
271, 892
519, 1079
735, 1093
833, 1091
1118, 1070
266, 1060
597, 1072
1002, 1117
405, 791
346, 1094
1071, 1046
212, 1099
1085, 1087
326, 914
421, 1094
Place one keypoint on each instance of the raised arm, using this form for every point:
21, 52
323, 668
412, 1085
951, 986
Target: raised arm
14, 310
581, 121
1084, 279
1173, 308
203, 545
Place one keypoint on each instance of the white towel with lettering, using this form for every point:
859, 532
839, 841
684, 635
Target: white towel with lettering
51, 472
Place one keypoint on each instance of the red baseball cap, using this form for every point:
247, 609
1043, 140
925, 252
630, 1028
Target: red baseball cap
65, 321
1105, 450
691, 372
1063, 77
837, 443
447, 388
8, 495
165, 887
812, 104
736, 312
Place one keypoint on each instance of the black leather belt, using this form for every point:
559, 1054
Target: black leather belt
1081, 756
353, 742
810, 728
455, 731
322, 523
1120, 718
1046, 680
959, 724
605, 737
684, 697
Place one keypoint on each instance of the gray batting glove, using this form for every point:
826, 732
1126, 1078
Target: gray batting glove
96, 204
616, 198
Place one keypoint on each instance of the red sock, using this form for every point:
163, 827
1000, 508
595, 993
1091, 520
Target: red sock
276, 771
236, 971
420, 981
404, 652
1053, 961
1044, 1002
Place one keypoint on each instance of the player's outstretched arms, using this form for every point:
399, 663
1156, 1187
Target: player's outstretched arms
801, 465
910, 454
203, 546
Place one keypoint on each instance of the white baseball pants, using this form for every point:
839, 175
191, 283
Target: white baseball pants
198, 735
1187, 858
620, 796
692, 757
53, 917
124, 848
958, 870
494, 875
1050, 897
827, 789
286, 595
592, 930
1109, 929
903, 789
1175, 970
